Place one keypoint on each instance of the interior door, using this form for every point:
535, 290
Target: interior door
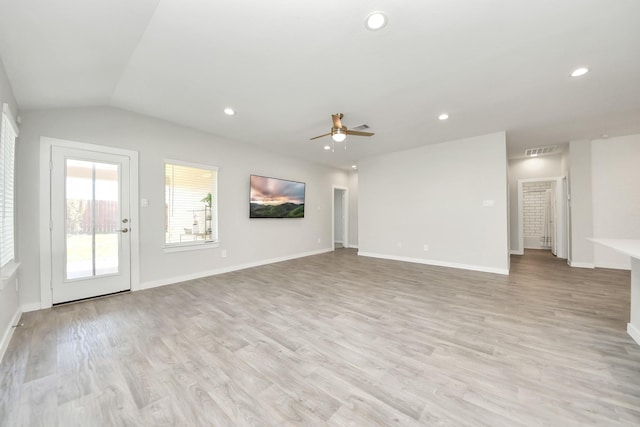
90, 224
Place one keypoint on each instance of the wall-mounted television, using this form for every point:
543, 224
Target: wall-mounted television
276, 198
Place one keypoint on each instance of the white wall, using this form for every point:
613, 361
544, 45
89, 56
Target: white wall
246, 241
529, 168
434, 195
9, 302
615, 169
564, 161
580, 204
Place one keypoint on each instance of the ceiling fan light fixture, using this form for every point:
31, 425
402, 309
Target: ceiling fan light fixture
338, 135
443, 116
375, 21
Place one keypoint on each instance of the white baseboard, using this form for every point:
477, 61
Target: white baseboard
438, 263
8, 333
633, 332
516, 252
581, 264
353, 246
200, 274
614, 266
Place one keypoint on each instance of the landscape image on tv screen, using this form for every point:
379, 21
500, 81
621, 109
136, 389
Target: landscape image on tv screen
276, 198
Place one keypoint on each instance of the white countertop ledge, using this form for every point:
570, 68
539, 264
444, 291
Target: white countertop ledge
629, 247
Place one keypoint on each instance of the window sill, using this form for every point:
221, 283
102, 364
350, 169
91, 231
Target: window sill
191, 246
7, 273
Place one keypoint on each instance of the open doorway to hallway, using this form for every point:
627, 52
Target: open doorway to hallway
340, 217
543, 215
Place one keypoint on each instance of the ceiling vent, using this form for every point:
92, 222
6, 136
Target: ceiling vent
361, 127
533, 152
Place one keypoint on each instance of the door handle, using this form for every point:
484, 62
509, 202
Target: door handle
125, 230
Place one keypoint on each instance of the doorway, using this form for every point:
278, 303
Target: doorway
91, 235
543, 215
340, 223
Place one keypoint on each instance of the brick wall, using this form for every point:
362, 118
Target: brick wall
533, 199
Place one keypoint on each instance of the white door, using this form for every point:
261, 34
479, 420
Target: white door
90, 224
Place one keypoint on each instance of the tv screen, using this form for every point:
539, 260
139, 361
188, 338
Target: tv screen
276, 198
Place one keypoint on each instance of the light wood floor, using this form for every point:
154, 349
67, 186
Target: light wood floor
338, 340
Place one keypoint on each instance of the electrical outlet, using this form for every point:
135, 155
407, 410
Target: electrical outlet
426, 247
223, 253
399, 244
319, 240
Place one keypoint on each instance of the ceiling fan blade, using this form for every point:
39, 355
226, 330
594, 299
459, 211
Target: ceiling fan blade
336, 120
319, 136
359, 133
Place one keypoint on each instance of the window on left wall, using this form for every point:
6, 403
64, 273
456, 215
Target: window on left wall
191, 208
8, 134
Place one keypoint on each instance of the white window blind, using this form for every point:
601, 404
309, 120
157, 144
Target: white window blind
8, 134
190, 203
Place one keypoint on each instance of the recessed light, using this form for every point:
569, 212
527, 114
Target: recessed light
354, 166
375, 21
604, 136
327, 147
579, 72
229, 111
443, 116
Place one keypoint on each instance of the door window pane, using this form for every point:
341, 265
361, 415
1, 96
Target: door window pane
92, 218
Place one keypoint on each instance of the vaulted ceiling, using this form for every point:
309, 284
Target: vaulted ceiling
285, 66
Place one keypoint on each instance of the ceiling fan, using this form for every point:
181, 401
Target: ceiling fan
339, 132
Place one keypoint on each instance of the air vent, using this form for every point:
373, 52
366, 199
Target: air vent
361, 127
533, 152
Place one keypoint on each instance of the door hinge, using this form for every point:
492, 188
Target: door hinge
50, 225
50, 165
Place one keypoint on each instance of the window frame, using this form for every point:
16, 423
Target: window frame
195, 244
10, 267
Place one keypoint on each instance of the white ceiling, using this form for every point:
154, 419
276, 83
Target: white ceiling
287, 65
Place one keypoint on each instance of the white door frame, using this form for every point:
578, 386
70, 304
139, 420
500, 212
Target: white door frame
345, 215
561, 231
46, 145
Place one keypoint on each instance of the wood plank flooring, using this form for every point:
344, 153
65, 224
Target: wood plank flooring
336, 340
